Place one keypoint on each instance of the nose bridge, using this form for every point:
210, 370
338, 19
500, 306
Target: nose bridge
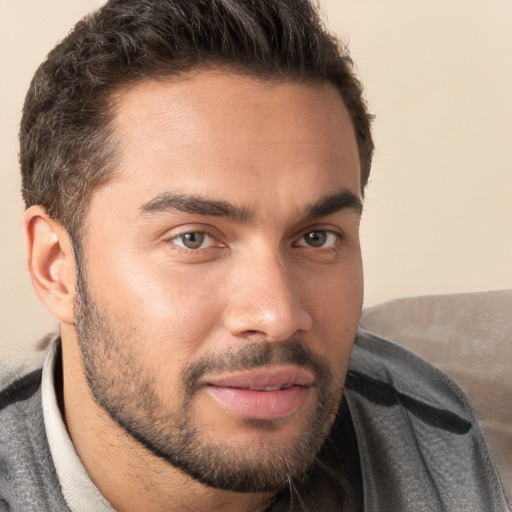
266, 301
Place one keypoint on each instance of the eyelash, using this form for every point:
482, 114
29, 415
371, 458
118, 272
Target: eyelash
330, 235
180, 236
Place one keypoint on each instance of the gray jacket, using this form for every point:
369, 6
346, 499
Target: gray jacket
406, 439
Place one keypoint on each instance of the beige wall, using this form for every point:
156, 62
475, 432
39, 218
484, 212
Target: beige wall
438, 76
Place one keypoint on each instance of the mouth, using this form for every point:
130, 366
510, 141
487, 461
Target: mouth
261, 393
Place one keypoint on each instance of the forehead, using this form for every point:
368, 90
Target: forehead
220, 134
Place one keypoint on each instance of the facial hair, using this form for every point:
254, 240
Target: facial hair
125, 388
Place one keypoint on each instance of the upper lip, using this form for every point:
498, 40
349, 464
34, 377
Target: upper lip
261, 378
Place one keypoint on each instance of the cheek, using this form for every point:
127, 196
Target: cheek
172, 311
181, 315
337, 289
336, 307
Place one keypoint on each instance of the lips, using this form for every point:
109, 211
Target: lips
261, 393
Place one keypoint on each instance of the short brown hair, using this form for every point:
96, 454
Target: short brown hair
66, 141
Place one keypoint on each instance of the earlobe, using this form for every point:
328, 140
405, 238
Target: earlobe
51, 262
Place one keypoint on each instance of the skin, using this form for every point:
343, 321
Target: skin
270, 150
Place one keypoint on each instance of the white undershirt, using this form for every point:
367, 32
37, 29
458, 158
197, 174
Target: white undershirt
80, 493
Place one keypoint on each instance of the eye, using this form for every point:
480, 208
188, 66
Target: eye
318, 238
194, 240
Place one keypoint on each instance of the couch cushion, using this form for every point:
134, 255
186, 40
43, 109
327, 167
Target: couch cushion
468, 336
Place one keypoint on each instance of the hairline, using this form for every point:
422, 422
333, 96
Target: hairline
114, 98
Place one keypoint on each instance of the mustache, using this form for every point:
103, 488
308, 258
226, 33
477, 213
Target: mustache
255, 355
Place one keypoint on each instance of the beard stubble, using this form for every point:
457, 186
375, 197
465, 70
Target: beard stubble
126, 389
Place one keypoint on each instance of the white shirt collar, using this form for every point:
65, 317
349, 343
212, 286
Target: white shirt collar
79, 492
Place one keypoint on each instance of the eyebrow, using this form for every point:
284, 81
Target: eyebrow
341, 200
195, 205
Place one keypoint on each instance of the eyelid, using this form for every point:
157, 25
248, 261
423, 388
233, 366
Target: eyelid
329, 232
183, 229
208, 238
335, 230
172, 234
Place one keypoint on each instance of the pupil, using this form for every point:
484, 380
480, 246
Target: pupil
193, 240
316, 238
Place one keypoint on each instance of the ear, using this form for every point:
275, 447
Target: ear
51, 263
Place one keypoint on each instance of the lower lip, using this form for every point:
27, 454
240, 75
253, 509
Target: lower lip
261, 405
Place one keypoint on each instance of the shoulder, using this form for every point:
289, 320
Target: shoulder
20, 381
19, 392
21, 441
28, 480
419, 442
385, 372
15, 363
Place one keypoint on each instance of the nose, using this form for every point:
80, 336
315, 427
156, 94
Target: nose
265, 301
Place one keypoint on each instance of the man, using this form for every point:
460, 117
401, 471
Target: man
193, 173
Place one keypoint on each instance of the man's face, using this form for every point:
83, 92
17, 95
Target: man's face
222, 283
